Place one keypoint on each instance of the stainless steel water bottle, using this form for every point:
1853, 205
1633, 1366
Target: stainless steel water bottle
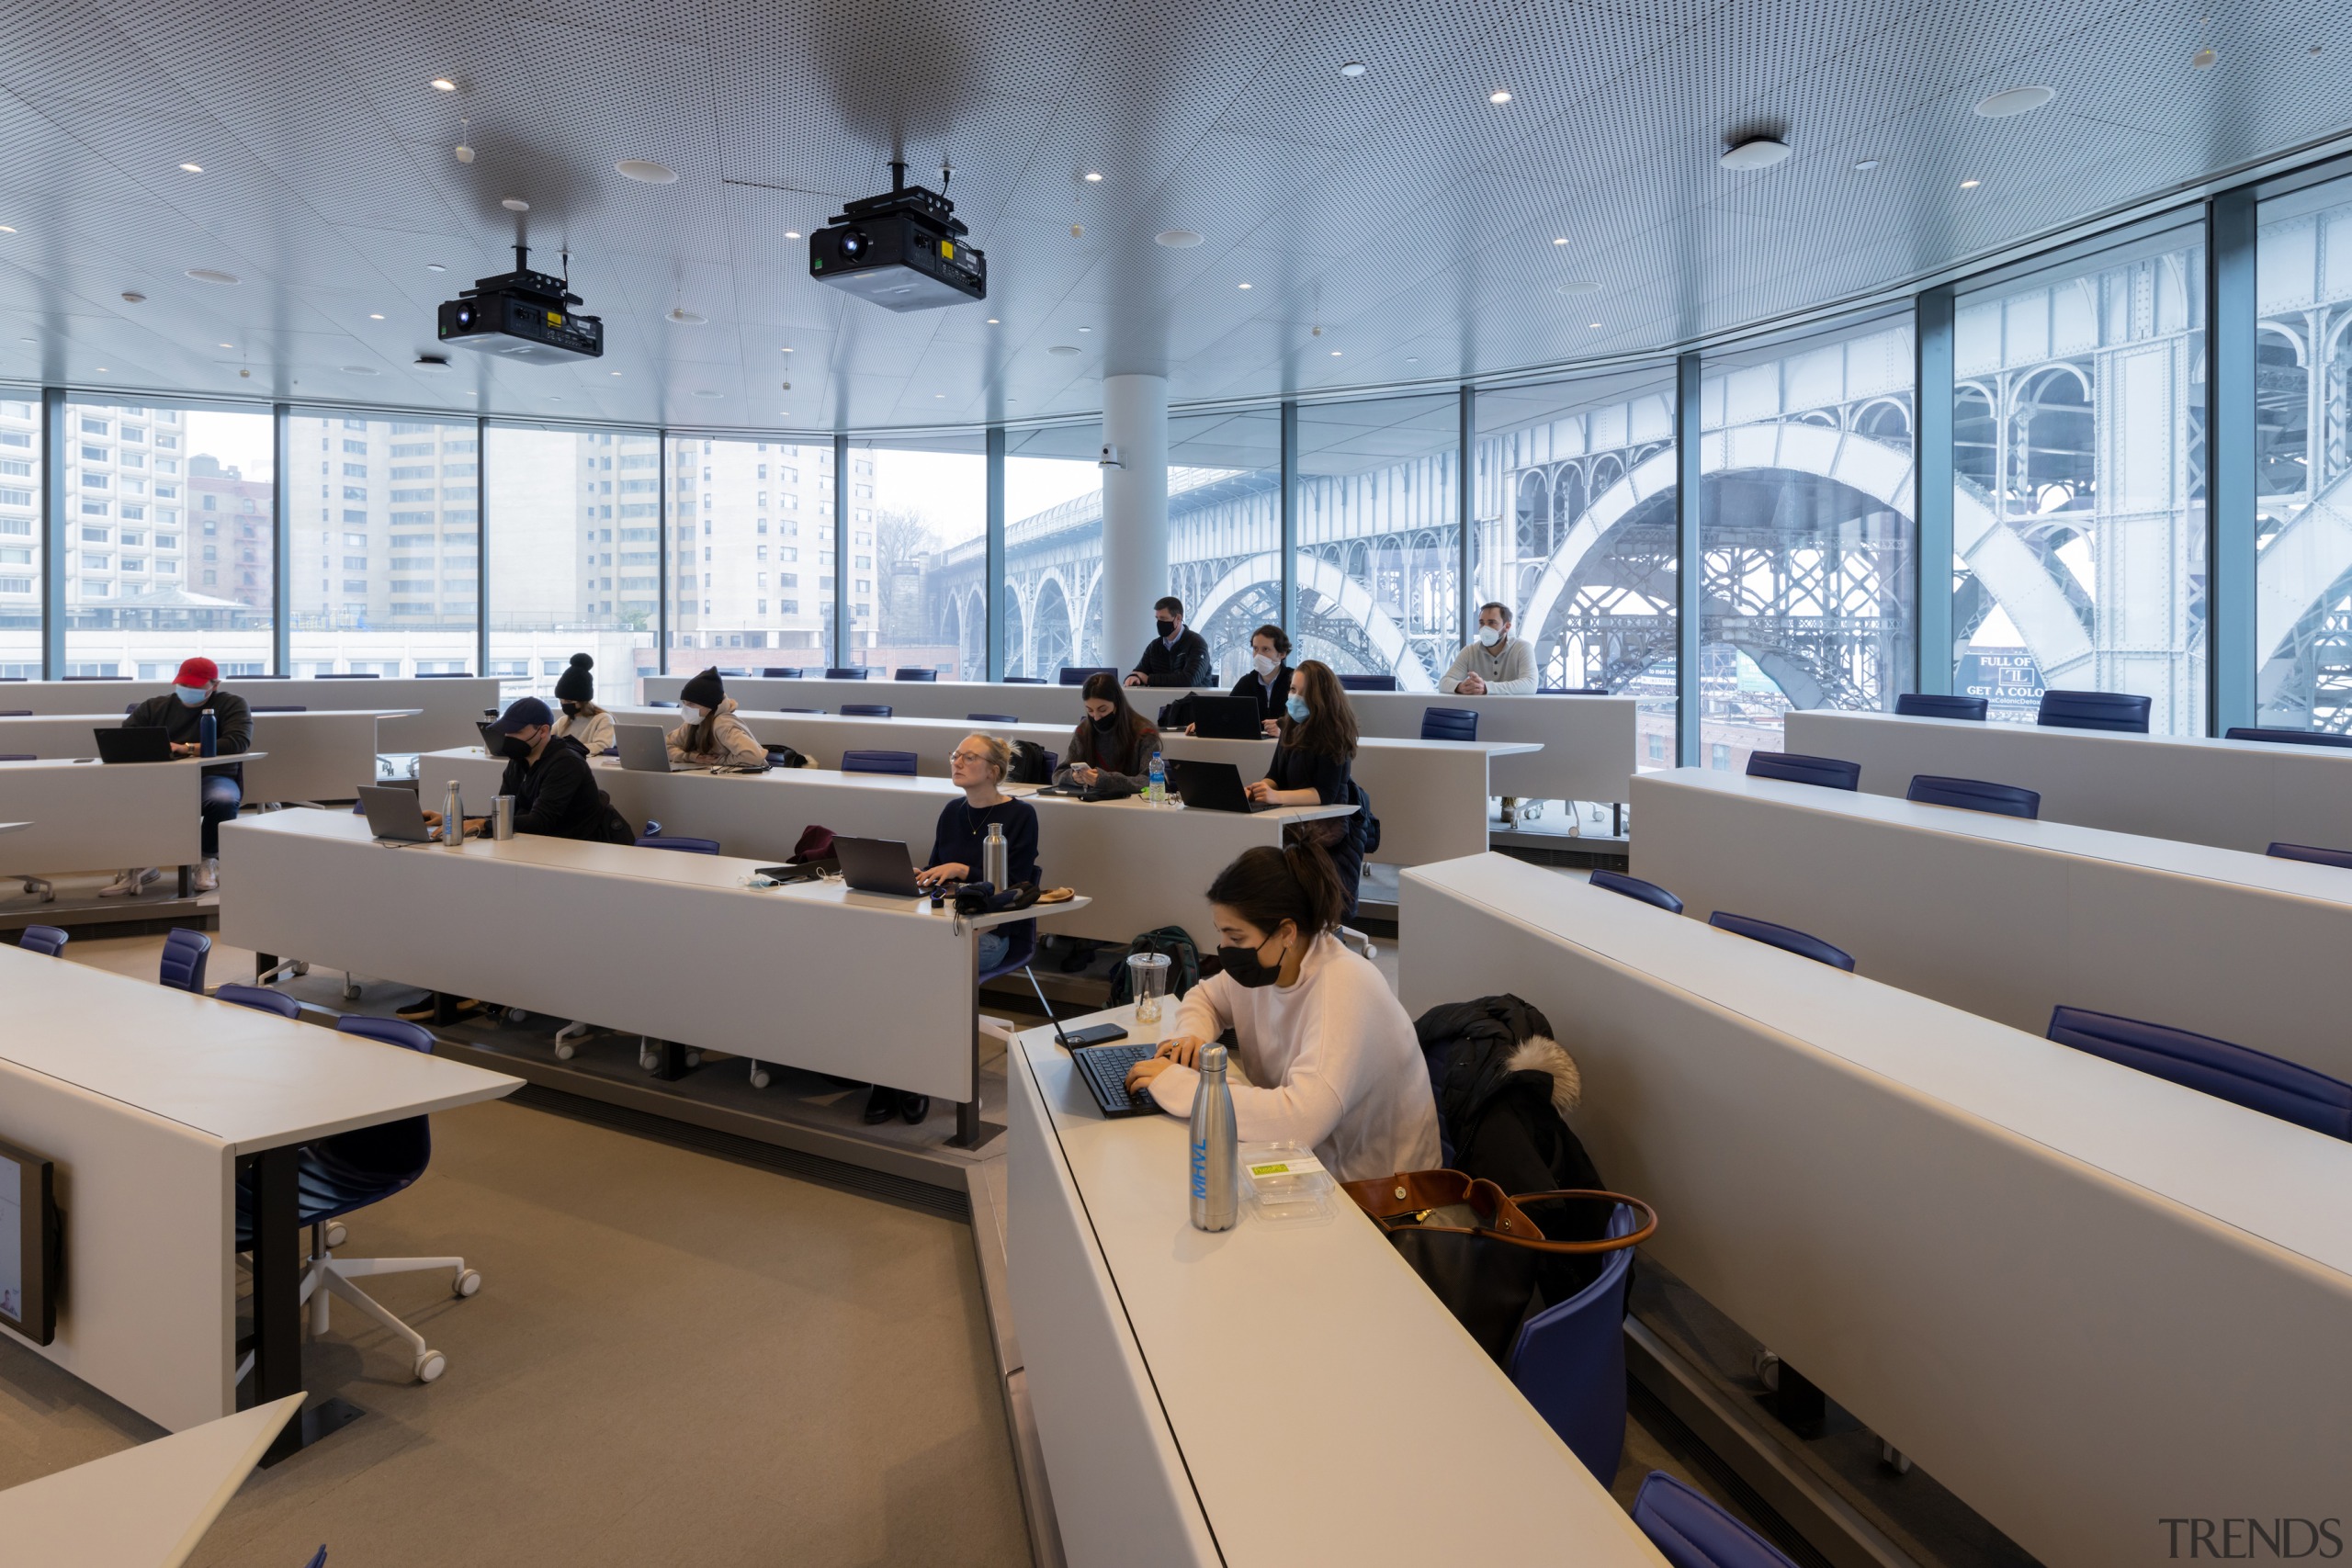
453, 817
1217, 1177
993, 851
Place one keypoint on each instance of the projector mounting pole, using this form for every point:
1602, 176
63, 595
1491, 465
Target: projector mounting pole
522, 258
898, 177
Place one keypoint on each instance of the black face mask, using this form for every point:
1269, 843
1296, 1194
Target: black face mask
1246, 969
1167, 630
571, 710
1102, 726
515, 749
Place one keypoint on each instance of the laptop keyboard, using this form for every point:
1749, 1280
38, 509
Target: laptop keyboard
1104, 1068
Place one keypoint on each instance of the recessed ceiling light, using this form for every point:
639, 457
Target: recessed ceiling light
443, 85
1244, 286
1086, 329
1176, 239
5, 229
435, 267
1864, 165
1352, 69
1576, 286
992, 321
375, 315
1595, 326
1559, 239
615, 372
1335, 352
1063, 348
193, 168
1970, 185
645, 171
132, 296
1499, 96
212, 275
1094, 178
102, 369
515, 204
938, 394
1756, 152
684, 318
2014, 101
224, 345
792, 233
360, 370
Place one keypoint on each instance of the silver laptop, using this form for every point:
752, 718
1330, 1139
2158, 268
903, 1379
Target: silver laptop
396, 814
645, 748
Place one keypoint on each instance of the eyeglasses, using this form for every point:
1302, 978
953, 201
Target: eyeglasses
968, 756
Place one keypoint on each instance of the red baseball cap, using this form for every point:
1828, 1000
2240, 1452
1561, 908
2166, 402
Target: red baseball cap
197, 672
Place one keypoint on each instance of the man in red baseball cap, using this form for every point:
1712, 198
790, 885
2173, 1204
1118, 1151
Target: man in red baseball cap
196, 691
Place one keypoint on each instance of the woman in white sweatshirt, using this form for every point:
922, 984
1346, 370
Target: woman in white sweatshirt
1331, 1058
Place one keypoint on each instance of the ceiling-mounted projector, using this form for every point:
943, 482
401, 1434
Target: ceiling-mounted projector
522, 315
904, 251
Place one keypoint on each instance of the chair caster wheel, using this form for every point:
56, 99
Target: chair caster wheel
468, 1282
694, 1058
648, 1058
431, 1365
302, 966
350, 989
338, 1233
565, 1052
517, 1015
1895, 1459
759, 1078
1767, 1366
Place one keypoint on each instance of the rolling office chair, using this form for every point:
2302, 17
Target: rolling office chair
40, 887
285, 707
49, 940
15, 713
866, 710
1689, 1531
1367, 683
2310, 852
260, 997
2094, 710
1786, 938
1449, 723
781, 672
853, 672
1795, 767
2286, 736
1976, 794
185, 953
902, 762
1634, 887
1571, 690
671, 841
1935, 704
1023, 681
350, 1170
1569, 1359
2238, 1074
1076, 674
911, 673
991, 718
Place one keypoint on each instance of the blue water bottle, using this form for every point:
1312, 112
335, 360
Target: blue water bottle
207, 734
1158, 780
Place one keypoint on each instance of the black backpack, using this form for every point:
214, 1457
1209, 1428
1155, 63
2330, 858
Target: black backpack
1183, 962
1032, 764
782, 756
1365, 826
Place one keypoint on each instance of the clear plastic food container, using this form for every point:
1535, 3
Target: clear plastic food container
1287, 1184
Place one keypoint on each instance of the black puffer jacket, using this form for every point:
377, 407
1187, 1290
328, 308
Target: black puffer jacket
1504, 1089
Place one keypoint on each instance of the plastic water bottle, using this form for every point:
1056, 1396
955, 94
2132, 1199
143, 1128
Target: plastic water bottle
993, 852
1215, 1173
1158, 780
453, 817
207, 734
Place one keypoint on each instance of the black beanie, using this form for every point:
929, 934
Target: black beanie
704, 690
575, 685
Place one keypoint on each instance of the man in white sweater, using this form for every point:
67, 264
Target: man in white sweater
1496, 664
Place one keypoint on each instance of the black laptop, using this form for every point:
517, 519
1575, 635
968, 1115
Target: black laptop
1209, 786
1227, 718
147, 743
877, 865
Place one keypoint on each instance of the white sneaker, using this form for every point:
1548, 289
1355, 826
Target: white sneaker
128, 882
208, 876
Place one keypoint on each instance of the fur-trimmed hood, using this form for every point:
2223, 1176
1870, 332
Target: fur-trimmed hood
1542, 1053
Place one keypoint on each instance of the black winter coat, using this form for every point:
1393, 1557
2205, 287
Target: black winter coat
558, 797
1504, 1089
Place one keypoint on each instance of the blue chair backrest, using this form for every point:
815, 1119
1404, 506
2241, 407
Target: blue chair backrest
1787, 938
854, 672
1449, 723
1690, 1531
1020, 950
2238, 1074
798, 710
287, 707
50, 940
2094, 710
386, 1159
782, 673
442, 675
1795, 767
19, 757
1569, 1360
260, 997
2287, 737
1023, 681
1935, 704
1976, 794
331, 675
686, 846
1076, 674
2310, 852
15, 713
390, 1030
1368, 683
913, 674
183, 954
1572, 691
866, 710
991, 718
878, 762
1634, 887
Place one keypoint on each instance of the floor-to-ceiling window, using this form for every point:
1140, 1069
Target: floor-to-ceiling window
2303, 458
1225, 528
919, 516
2078, 507
170, 537
384, 545
1379, 539
21, 544
574, 535
1053, 551
1807, 534
751, 548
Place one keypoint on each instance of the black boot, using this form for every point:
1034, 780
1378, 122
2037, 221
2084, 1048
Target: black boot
914, 1108
881, 1105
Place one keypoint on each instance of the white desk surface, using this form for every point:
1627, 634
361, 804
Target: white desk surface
250, 1078
143, 1508
89, 816
54, 764
114, 720
1297, 1369
1053, 735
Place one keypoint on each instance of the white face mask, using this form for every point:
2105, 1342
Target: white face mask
1264, 665
1489, 635
690, 713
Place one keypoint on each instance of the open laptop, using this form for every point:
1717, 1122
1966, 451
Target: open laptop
395, 815
1227, 718
148, 743
1209, 786
877, 865
645, 748
491, 741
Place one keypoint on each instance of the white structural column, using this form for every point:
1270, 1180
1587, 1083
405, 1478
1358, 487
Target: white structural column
1134, 512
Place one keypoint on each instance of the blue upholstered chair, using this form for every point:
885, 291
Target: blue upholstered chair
911, 673
1634, 887
260, 997
48, 940
1786, 938
2238, 1074
1023, 681
1569, 1360
2310, 852
284, 708
1937, 705
1974, 795
1449, 723
2094, 710
782, 673
1795, 767
1368, 683
1076, 674
683, 845
1572, 691
1690, 1531
852, 673
878, 762
185, 953
866, 710
2287, 737
991, 718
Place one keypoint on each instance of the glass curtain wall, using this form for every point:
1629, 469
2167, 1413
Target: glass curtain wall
2303, 454
1379, 539
1053, 551
21, 534
2078, 506
170, 540
919, 519
1808, 534
576, 558
1224, 529
751, 555
384, 541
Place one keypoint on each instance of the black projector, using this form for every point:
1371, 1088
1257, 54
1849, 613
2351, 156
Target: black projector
904, 251
522, 315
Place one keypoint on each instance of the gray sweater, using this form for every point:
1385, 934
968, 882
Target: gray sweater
1507, 669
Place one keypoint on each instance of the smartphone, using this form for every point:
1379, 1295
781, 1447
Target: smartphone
1100, 1035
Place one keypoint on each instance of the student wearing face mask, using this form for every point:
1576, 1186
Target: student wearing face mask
1111, 744
582, 720
1313, 764
1331, 1058
1496, 664
708, 734
179, 713
1268, 679
1178, 655
554, 789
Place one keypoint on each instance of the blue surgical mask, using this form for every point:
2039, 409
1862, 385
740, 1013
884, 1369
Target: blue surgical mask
192, 696
1297, 707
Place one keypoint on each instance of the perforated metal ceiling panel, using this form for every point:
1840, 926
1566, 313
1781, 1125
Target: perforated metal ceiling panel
1402, 212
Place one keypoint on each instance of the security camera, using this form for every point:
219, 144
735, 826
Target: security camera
1110, 458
